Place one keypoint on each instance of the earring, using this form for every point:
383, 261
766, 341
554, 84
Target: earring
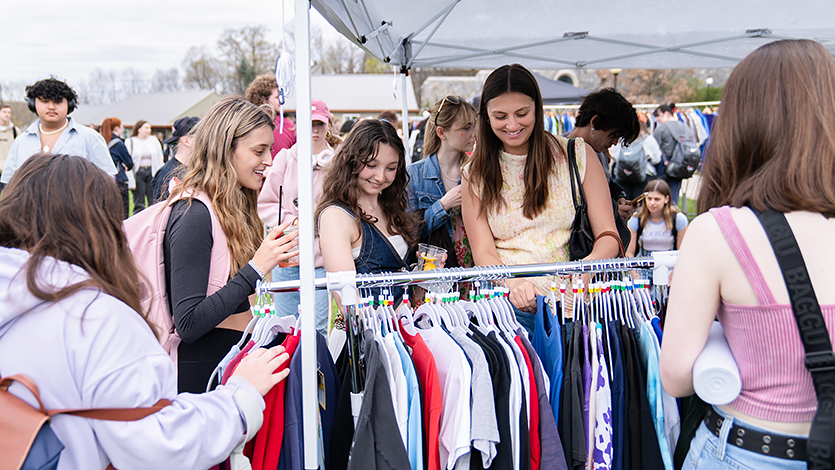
592, 131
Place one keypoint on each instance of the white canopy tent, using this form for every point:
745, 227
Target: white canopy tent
548, 34
541, 34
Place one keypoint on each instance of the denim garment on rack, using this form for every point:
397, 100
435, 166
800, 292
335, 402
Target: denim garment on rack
526, 319
547, 342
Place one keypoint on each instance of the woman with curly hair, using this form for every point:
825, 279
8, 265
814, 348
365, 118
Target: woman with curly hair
214, 207
364, 205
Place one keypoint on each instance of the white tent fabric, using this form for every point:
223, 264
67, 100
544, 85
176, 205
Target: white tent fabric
598, 34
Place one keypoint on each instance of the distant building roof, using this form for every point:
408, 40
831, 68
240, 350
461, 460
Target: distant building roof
160, 109
360, 93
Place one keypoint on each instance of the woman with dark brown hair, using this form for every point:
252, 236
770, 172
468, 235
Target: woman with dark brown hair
516, 189
363, 208
70, 319
773, 147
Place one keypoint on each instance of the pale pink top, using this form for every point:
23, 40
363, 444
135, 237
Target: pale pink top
766, 344
283, 173
543, 239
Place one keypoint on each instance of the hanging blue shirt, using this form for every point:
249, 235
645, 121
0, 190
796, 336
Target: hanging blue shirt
649, 356
549, 349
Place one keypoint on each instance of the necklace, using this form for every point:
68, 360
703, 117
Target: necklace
40, 128
447, 176
47, 145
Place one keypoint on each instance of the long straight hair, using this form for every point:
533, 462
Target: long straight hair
773, 144
135, 131
63, 207
449, 112
211, 170
340, 186
670, 210
485, 173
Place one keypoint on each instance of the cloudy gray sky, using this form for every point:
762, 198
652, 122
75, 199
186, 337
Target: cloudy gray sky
71, 38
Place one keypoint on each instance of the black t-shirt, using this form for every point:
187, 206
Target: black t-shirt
187, 254
501, 395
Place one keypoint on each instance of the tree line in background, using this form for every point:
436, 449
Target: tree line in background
238, 57
241, 54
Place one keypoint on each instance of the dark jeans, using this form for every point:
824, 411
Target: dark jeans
144, 189
123, 191
197, 360
674, 184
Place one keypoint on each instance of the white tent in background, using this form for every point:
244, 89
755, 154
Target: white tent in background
548, 34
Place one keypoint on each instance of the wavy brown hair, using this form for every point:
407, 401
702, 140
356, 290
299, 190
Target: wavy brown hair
485, 173
64, 207
773, 144
340, 185
211, 170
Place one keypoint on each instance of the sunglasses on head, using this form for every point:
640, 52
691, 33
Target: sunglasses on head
452, 99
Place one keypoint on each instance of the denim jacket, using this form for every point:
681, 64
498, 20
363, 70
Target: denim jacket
426, 188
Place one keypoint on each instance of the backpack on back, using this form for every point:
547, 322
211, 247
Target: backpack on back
27, 442
145, 233
631, 167
687, 155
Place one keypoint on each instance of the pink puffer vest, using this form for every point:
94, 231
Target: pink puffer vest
145, 232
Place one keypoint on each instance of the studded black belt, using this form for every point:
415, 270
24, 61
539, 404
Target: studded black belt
771, 444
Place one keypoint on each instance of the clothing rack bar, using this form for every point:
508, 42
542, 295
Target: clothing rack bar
402, 278
548, 107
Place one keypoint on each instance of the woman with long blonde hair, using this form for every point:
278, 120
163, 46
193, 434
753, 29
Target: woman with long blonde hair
213, 249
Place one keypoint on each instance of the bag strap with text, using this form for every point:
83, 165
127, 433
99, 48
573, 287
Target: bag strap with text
819, 358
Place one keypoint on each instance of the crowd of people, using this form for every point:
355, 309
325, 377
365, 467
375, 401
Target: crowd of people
493, 187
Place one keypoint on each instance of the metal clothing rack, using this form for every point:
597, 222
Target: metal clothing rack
347, 282
552, 107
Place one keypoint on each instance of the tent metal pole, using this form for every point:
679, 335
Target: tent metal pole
404, 120
304, 133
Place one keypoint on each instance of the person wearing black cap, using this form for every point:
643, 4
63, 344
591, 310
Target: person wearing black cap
181, 143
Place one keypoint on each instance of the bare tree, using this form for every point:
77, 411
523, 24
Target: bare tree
99, 88
166, 80
13, 90
339, 56
132, 82
202, 70
249, 45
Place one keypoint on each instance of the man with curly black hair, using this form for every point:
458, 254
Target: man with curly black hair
54, 131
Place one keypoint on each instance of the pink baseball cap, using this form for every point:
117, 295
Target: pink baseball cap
320, 111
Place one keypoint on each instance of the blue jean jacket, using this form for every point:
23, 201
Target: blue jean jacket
426, 188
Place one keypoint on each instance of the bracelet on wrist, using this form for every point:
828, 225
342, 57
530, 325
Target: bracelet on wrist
257, 269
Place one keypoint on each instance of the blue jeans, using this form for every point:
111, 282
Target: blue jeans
526, 319
287, 303
709, 452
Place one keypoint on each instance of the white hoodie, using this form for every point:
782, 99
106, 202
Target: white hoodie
93, 351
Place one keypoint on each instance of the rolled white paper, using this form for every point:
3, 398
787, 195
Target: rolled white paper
716, 376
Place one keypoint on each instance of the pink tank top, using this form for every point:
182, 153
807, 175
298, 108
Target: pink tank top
766, 343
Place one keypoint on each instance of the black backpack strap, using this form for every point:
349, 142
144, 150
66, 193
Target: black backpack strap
674, 231
819, 359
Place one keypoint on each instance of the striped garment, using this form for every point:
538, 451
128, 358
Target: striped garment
765, 342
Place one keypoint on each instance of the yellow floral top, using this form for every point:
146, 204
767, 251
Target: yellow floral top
544, 239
